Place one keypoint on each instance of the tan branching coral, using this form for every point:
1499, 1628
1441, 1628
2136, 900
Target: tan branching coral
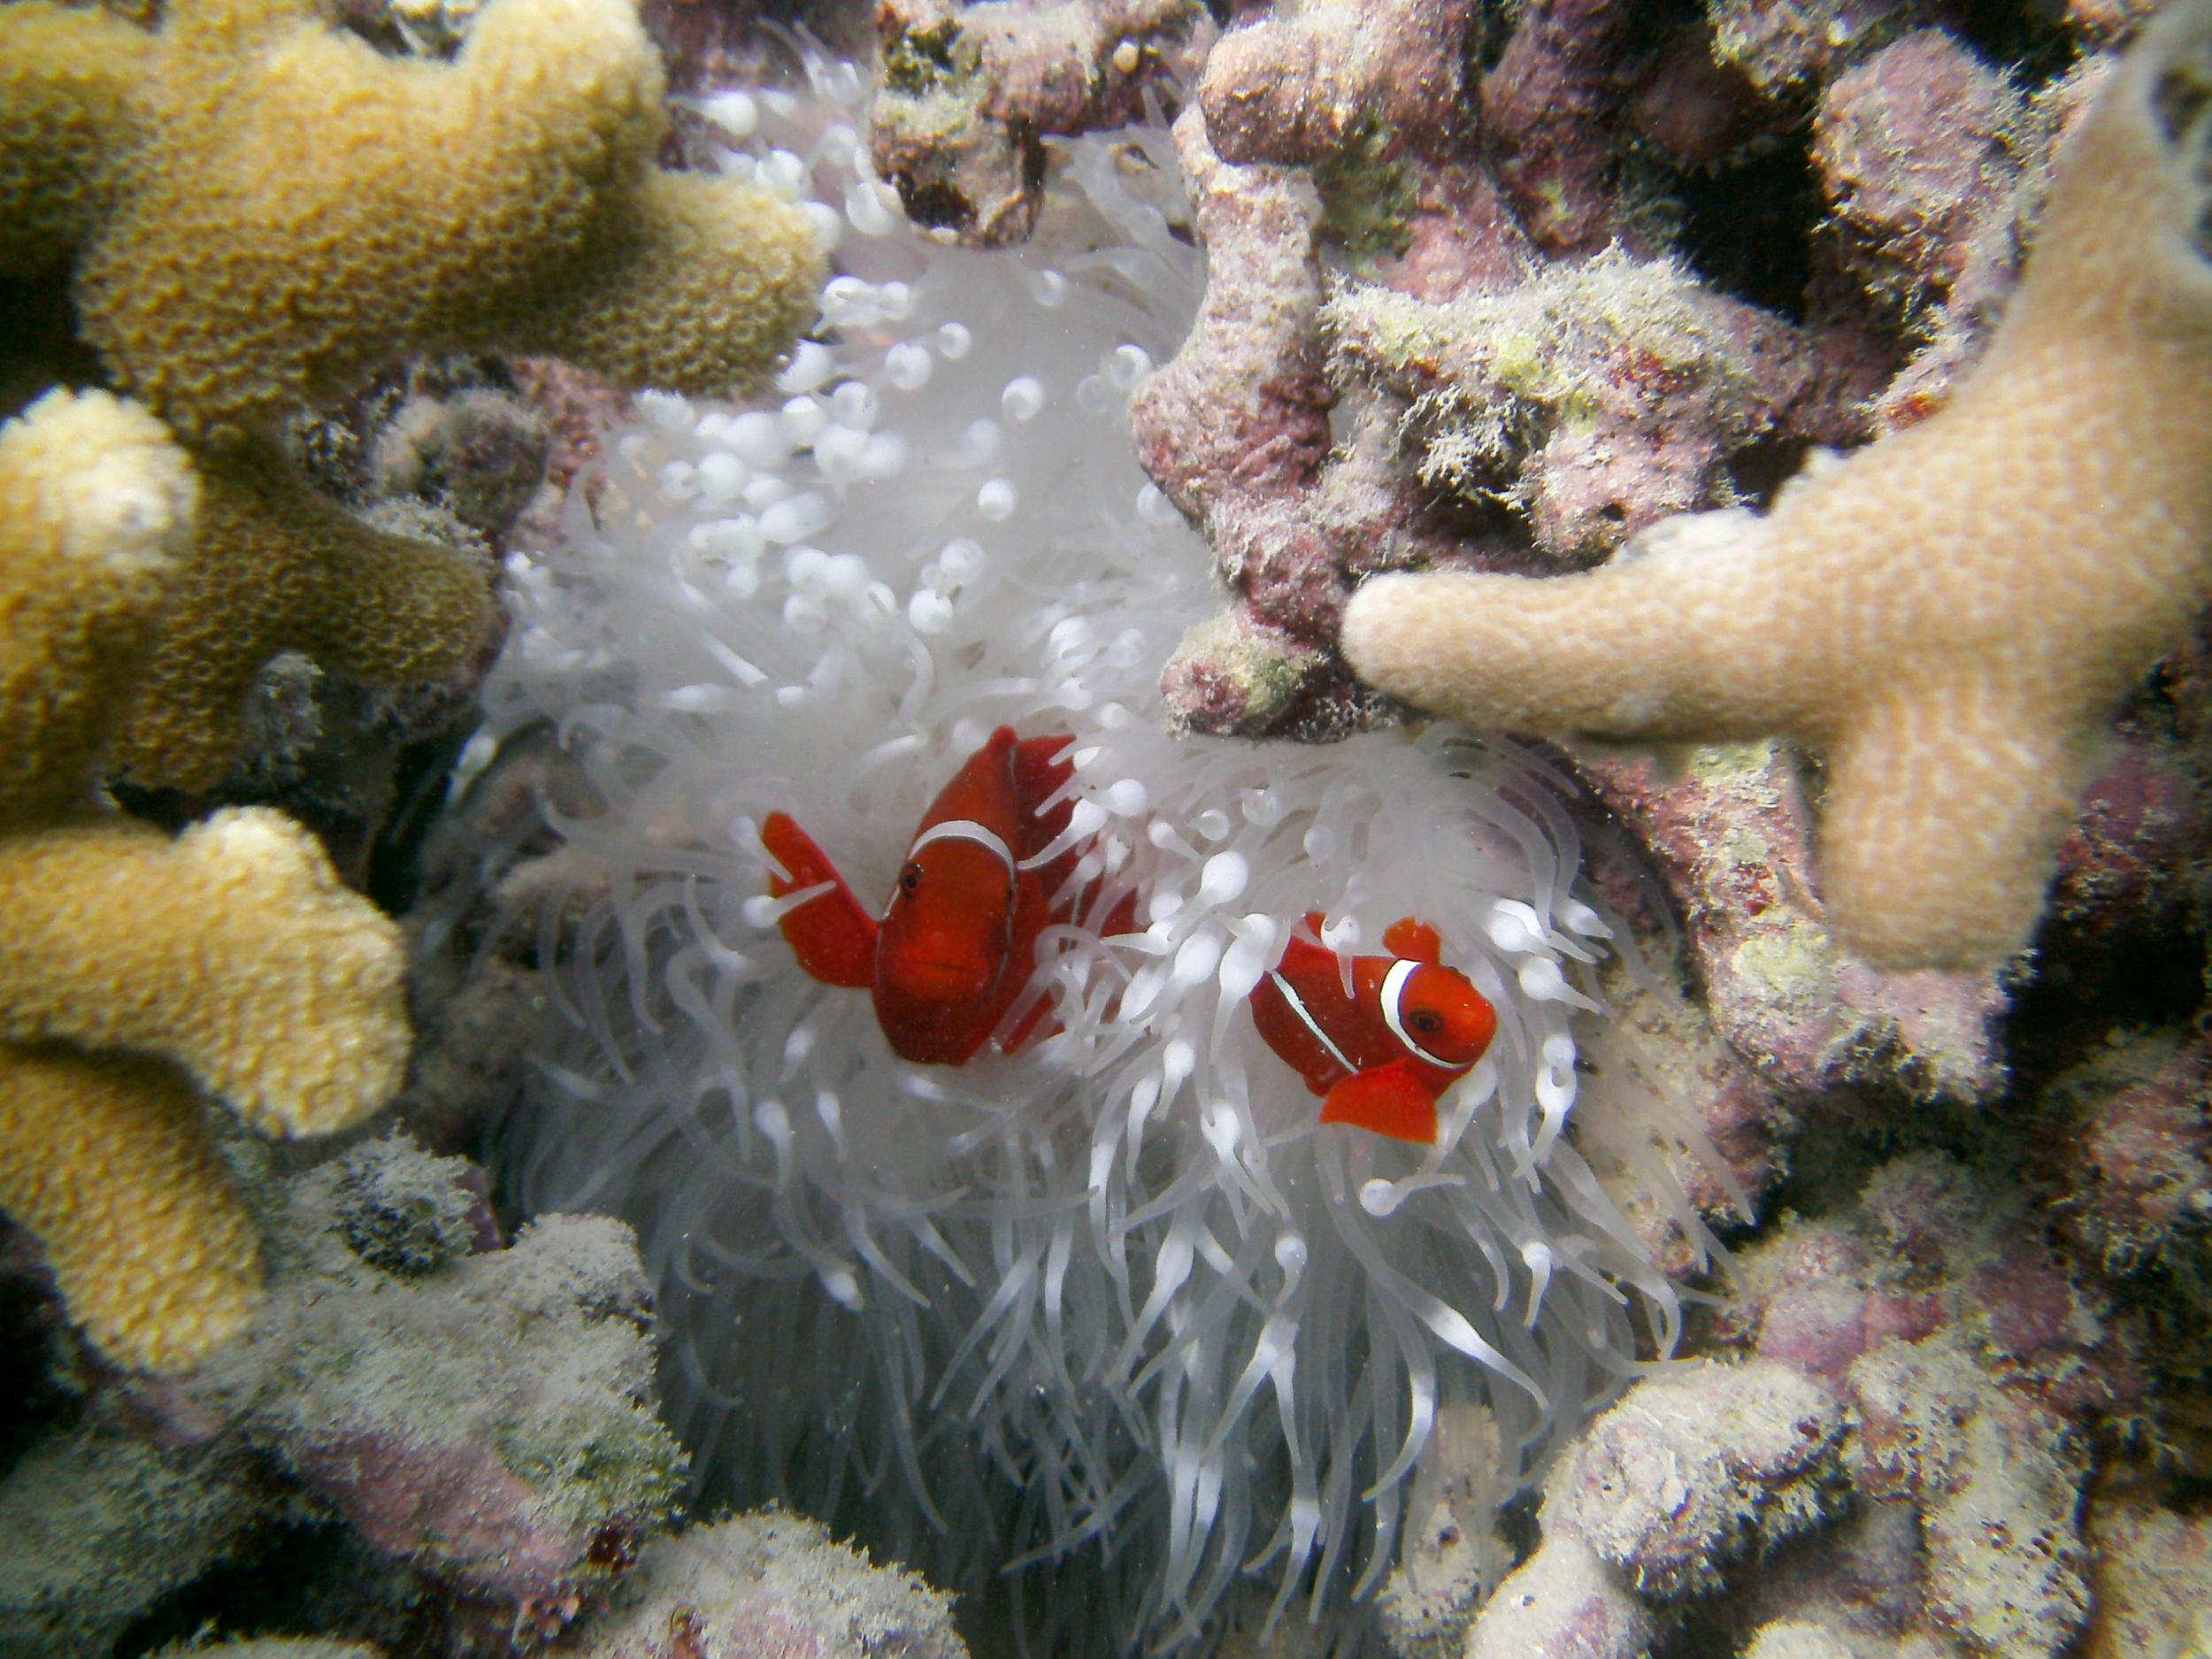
231, 949
110, 1161
133, 966
279, 566
229, 275
1951, 615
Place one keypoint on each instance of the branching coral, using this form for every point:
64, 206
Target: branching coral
278, 567
1951, 615
507, 199
232, 953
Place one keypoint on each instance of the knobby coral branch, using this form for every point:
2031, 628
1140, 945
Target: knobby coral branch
1951, 615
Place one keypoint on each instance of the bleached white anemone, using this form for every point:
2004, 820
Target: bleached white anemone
1119, 1299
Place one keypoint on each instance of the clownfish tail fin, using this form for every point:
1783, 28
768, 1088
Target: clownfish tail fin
834, 939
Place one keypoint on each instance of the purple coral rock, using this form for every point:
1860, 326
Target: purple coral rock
1700, 1467
1997, 1478
766, 1585
1551, 104
2153, 1574
1562, 1603
1915, 148
1241, 411
1734, 840
1782, 49
2136, 1134
968, 93
1300, 89
486, 1418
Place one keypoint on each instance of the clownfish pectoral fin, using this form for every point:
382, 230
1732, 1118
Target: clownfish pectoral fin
1386, 1100
1414, 942
834, 939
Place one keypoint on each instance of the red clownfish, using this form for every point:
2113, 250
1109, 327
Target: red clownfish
1381, 1056
958, 939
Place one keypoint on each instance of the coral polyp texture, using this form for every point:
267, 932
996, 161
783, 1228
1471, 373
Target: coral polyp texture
136, 970
1114, 1304
1951, 616
508, 197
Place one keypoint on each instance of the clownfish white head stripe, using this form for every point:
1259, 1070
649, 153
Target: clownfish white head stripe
1297, 1005
966, 829
1393, 990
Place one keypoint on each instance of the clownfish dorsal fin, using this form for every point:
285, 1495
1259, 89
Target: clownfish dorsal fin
982, 793
1384, 1099
834, 939
1302, 953
1042, 767
1414, 942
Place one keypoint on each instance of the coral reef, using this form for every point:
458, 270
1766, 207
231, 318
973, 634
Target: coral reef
548, 228
101, 1525
1489, 290
1087, 1304
1950, 616
966, 95
146, 161
136, 966
1592, 399
2153, 1579
1916, 1387
1733, 835
479, 1418
763, 1584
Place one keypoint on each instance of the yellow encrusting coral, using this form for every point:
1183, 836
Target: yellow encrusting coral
1951, 615
131, 964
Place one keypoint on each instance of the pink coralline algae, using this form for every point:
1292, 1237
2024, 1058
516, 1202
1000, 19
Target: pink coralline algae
1731, 836
479, 1420
1912, 1386
968, 93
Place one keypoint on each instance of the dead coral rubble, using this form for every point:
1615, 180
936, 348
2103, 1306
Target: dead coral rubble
966, 94
1901, 1446
481, 1420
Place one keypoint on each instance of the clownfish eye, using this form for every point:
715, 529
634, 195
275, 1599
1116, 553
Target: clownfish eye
911, 878
1427, 1022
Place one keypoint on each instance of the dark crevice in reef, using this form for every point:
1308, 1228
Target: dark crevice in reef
267, 1588
2026, 38
1748, 229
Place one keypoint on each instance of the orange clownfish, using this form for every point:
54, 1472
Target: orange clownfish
1381, 1057
958, 939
